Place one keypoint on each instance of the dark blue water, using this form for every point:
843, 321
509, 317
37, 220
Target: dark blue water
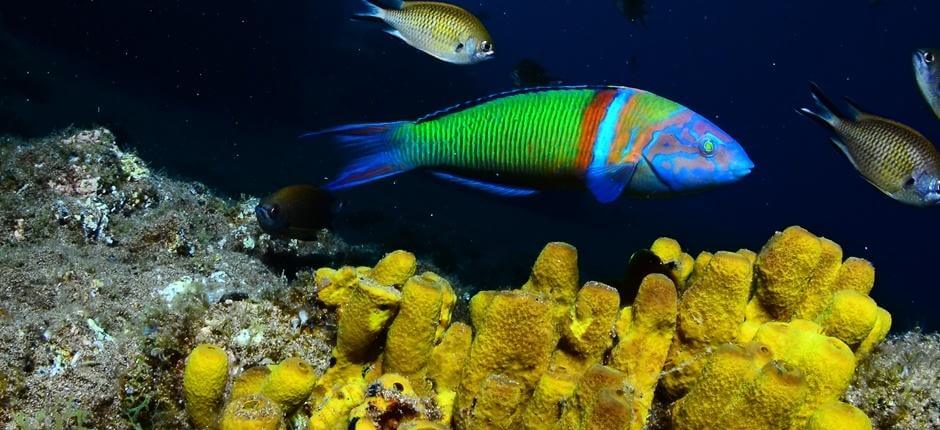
217, 92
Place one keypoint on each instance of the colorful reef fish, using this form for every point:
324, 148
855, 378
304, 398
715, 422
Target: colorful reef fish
609, 139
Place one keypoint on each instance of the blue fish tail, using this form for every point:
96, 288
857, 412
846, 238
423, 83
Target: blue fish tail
379, 157
827, 114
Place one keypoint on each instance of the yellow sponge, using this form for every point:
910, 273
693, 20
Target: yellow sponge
363, 319
850, 316
204, 383
412, 334
713, 307
783, 267
590, 321
394, 269
836, 415
289, 383
249, 381
642, 349
856, 274
877, 334
555, 274
251, 412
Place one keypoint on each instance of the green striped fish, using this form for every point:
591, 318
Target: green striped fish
444, 31
607, 139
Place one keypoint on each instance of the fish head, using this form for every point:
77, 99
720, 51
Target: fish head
690, 153
926, 62
271, 217
479, 48
923, 188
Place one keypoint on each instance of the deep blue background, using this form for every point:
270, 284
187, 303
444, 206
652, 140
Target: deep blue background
217, 92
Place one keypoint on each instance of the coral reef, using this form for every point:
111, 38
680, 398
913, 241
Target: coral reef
130, 300
110, 272
899, 385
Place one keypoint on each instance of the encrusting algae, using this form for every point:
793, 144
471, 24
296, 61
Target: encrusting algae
766, 340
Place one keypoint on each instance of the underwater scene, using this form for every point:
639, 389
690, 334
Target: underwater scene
469, 214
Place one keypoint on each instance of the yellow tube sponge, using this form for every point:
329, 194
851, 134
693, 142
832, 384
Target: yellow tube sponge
363, 319
479, 304
641, 351
836, 415
770, 401
855, 274
335, 286
446, 367
581, 411
204, 381
289, 383
590, 324
412, 335
545, 408
701, 261
684, 267
713, 307
498, 405
251, 412
515, 338
851, 316
449, 357
827, 363
666, 249
249, 381
877, 334
726, 372
819, 286
783, 266
340, 390
748, 254
394, 268
555, 274
611, 411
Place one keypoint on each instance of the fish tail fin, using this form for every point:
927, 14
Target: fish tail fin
368, 10
827, 114
377, 146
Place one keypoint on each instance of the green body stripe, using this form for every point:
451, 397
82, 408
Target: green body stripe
530, 133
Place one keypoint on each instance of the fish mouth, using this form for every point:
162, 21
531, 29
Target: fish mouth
741, 172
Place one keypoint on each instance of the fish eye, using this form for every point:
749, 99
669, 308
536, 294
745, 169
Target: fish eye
274, 210
486, 46
928, 57
708, 146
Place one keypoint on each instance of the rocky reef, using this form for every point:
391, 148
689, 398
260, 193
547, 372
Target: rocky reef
131, 300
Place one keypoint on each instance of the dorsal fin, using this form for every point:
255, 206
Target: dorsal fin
855, 111
491, 97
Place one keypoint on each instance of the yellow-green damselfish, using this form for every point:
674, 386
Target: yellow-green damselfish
893, 157
442, 30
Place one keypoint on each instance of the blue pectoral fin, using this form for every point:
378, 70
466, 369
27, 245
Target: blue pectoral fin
501, 190
607, 182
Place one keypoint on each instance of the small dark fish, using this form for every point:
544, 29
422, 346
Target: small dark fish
893, 157
642, 263
529, 73
296, 212
634, 10
927, 71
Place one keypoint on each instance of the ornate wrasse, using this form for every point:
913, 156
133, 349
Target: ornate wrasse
609, 139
